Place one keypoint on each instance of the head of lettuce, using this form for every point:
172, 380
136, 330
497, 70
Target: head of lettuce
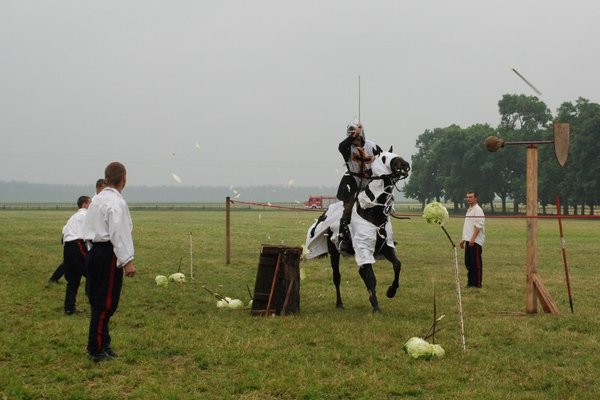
435, 213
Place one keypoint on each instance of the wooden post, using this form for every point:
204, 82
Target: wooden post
227, 231
273, 284
535, 287
531, 255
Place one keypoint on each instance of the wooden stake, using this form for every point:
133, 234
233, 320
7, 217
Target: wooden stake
564, 254
227, 230
534, 286
191, 259
275, 274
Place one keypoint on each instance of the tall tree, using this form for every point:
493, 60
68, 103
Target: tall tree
582, 177
476, 158
423, 183
523, 113
521, 118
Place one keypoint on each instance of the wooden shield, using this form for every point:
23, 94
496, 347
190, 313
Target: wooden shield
561, 142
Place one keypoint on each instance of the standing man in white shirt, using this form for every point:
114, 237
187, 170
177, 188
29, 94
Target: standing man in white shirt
60, 270
473, 236
107, 227
74, 252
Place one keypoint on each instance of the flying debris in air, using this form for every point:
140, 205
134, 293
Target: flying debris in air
527, 82
176, 178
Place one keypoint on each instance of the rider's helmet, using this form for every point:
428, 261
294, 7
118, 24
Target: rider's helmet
353, 126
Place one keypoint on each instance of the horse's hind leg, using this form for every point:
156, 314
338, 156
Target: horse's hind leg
390, 254
334, 257
368, 277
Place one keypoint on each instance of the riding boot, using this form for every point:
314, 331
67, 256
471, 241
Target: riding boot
344, 236
321, 218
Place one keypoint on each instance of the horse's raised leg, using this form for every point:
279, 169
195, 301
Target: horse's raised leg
368, 277
390, 254
334, 257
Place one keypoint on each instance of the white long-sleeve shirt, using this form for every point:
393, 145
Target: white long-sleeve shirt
475, 218
108, 219
73, 229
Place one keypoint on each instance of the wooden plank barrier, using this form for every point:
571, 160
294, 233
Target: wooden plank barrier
277, 287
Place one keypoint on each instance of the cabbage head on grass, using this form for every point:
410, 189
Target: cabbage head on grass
161, 280
419, 348
435, 213
177, 277
228, 302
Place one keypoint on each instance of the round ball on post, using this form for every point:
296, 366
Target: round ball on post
492, 143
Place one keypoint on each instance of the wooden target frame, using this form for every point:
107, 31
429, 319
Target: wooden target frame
535, 289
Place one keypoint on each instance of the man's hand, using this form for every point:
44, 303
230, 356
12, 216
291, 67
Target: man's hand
462, 244
130, 269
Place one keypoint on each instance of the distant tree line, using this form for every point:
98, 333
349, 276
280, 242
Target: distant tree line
452, 160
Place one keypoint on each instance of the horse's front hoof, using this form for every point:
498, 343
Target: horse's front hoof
376, 310
391, 292
340, 306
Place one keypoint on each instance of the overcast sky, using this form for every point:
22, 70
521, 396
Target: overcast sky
242, 93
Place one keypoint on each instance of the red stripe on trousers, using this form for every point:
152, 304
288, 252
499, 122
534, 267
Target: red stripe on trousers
82, 248
107, 303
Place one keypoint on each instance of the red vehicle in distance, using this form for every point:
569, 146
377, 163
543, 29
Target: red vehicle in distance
319, 201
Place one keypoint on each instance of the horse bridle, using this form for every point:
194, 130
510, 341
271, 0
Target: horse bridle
401, 171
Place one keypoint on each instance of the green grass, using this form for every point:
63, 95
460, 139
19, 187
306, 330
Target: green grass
176, 344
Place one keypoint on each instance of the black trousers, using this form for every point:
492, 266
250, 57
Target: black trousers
474, 265
74, 253
104, 284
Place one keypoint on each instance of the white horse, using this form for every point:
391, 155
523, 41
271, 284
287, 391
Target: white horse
370, 228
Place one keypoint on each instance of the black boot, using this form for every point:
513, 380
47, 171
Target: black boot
345, 242
321, 218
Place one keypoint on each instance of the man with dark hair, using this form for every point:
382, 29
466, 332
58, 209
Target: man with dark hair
74, 252
473, 236
107, 230
100, 184
60, 270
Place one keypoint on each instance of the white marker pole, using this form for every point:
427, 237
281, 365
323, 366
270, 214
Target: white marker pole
459, 301
458, 296
191, 259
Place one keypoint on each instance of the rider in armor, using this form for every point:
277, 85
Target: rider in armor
358, 155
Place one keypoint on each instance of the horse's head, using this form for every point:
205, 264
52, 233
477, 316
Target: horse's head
376, 202
400, 168
392, 165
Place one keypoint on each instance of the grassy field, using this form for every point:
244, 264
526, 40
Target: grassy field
176, 344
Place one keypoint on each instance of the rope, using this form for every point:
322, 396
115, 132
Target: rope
274, 206
408, 216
